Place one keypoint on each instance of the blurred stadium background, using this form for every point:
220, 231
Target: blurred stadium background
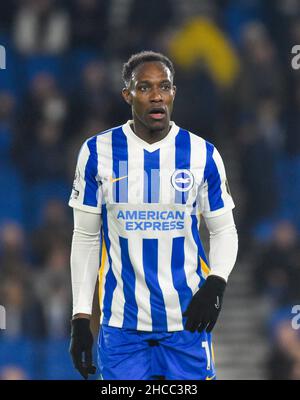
236, 88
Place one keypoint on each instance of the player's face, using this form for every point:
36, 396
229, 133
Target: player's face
151, 95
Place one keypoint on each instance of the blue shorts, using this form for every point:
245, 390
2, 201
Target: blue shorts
129, 354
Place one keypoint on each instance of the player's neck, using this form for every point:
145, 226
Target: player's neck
148, 135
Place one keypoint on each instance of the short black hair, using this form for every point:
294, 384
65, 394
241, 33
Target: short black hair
142, 57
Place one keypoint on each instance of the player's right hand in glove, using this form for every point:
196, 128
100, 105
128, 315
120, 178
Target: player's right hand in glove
205, 306
81, 346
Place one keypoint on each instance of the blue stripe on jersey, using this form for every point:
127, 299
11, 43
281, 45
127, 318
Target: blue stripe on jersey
150, 264
212, 176
201, 253
128, 278
110, 282
178, 274
151, 176
120, 165
182, 160
90, 173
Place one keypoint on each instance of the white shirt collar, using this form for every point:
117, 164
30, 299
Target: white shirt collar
147, 146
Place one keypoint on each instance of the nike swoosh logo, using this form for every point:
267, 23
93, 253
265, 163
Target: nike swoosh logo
217, 305
210, 378
112, 180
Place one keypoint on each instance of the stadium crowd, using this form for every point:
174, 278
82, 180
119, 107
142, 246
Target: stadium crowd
62, 83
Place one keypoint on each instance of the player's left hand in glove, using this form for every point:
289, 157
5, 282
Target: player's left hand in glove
81, 346
205, 306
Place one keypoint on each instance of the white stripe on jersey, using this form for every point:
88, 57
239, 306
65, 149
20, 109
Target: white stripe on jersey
167, 162
220, 166
191, 262
104, 155
198, 157
142, 297
165, 280
118, 301
135, 172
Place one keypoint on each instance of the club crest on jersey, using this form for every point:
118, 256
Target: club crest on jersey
182, 180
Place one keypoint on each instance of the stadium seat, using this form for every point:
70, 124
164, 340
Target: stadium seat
11, 78
58, 361
37, 64
11, 202
18, 353
38, 194
289, 188
74, 65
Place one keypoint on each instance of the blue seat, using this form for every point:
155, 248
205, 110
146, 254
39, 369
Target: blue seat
38, 194
11, 199
289, 188
37, 64
6, 143
11, 78
74, 64
58, 361
42, 359
263, 230
18, 353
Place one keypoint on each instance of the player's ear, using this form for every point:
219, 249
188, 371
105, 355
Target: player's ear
174, 90
127, 95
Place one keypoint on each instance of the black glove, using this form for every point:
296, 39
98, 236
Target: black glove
82, 342
205, 306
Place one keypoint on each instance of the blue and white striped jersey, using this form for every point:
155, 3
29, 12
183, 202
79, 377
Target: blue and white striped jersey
150, 197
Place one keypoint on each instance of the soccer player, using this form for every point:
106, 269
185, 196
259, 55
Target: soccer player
139, 192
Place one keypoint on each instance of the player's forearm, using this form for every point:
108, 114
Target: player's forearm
223, 244
85, 261
84, 269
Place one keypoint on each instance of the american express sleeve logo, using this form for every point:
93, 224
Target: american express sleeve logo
75, 191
